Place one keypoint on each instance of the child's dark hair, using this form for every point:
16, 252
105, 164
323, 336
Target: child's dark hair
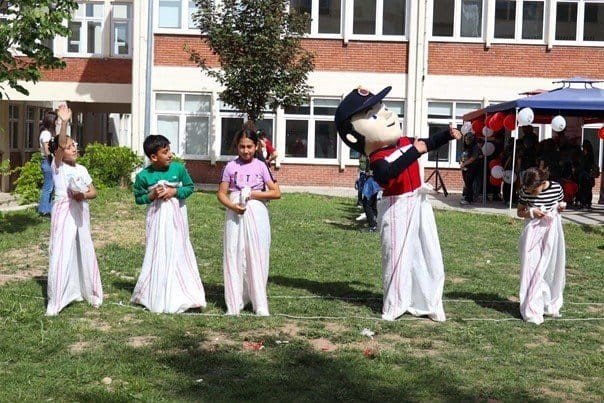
153, 143
48, 122
533, 177
245, 133
53, 146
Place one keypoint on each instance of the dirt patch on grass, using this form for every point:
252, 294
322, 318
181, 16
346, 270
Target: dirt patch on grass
215, 341
335, 327
539, 341
22, 264
323, 344
79, 347
595, 309
141, 341
458, 280
125, 232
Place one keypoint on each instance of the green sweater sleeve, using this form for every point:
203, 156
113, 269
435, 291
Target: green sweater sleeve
141, 194
187, 187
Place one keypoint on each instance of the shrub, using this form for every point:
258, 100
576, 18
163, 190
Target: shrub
30, 179
109, 166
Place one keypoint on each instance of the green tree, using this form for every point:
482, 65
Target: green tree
258, 43
26, 26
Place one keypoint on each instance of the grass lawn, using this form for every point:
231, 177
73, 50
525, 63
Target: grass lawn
324, 289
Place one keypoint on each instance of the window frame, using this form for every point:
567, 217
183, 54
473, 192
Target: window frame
183, 29
29, 136
379, 24
130, 25
518, 25
456, 37
84, 32
580, 24
14, 122
457, 120
182, 115
311, 118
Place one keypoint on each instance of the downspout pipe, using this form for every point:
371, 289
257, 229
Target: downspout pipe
149, 69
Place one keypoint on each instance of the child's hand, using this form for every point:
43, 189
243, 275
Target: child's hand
537, 213
166, 192
64, 113
238, 209
77, 196
153, 193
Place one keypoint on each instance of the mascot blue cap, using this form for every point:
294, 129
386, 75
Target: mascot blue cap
356, 101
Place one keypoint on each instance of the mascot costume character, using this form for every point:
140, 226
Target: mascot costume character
412, 265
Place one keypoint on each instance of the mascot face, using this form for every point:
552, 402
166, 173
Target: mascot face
378, 125
364, 123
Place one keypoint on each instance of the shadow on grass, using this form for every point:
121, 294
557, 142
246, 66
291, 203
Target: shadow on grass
18, 222
198, 369
43, 283
337, 289
489, 300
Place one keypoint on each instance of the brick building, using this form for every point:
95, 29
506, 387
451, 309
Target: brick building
129, 75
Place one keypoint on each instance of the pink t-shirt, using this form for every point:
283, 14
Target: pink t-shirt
240, 174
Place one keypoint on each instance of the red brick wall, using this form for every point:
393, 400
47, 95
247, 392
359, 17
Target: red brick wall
451, 177
331, 54
92, 70
515, 60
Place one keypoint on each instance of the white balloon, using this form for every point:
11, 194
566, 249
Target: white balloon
488, 149
509, 176
466, 128
497, 172
558, 123
525, 117
487, 132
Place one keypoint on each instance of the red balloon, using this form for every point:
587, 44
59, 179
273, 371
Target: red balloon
477, 127
495, 182
509, 122
601, 133
494, 163
495, 123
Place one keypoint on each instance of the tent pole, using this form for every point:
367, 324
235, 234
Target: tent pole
484, 171
513, 160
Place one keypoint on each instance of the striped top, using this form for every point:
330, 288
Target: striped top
547, 199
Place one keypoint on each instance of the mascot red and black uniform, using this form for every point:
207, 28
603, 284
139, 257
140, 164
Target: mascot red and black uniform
412, 266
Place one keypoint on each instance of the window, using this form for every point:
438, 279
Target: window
232, 121
176, 14
440, 115
185, 120
532, 20
121, 29
379, 17
30, 127
593, 22
566, 21
86, 28
310, 131
13, 126
519, 19
326, 15
580, 22
457, 18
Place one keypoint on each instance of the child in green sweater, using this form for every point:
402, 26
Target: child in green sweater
169, 280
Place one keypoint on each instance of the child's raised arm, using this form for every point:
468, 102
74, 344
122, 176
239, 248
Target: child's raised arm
65, 114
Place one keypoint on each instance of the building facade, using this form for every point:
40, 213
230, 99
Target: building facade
128, 74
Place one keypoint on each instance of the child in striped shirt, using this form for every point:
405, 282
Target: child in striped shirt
542, 248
